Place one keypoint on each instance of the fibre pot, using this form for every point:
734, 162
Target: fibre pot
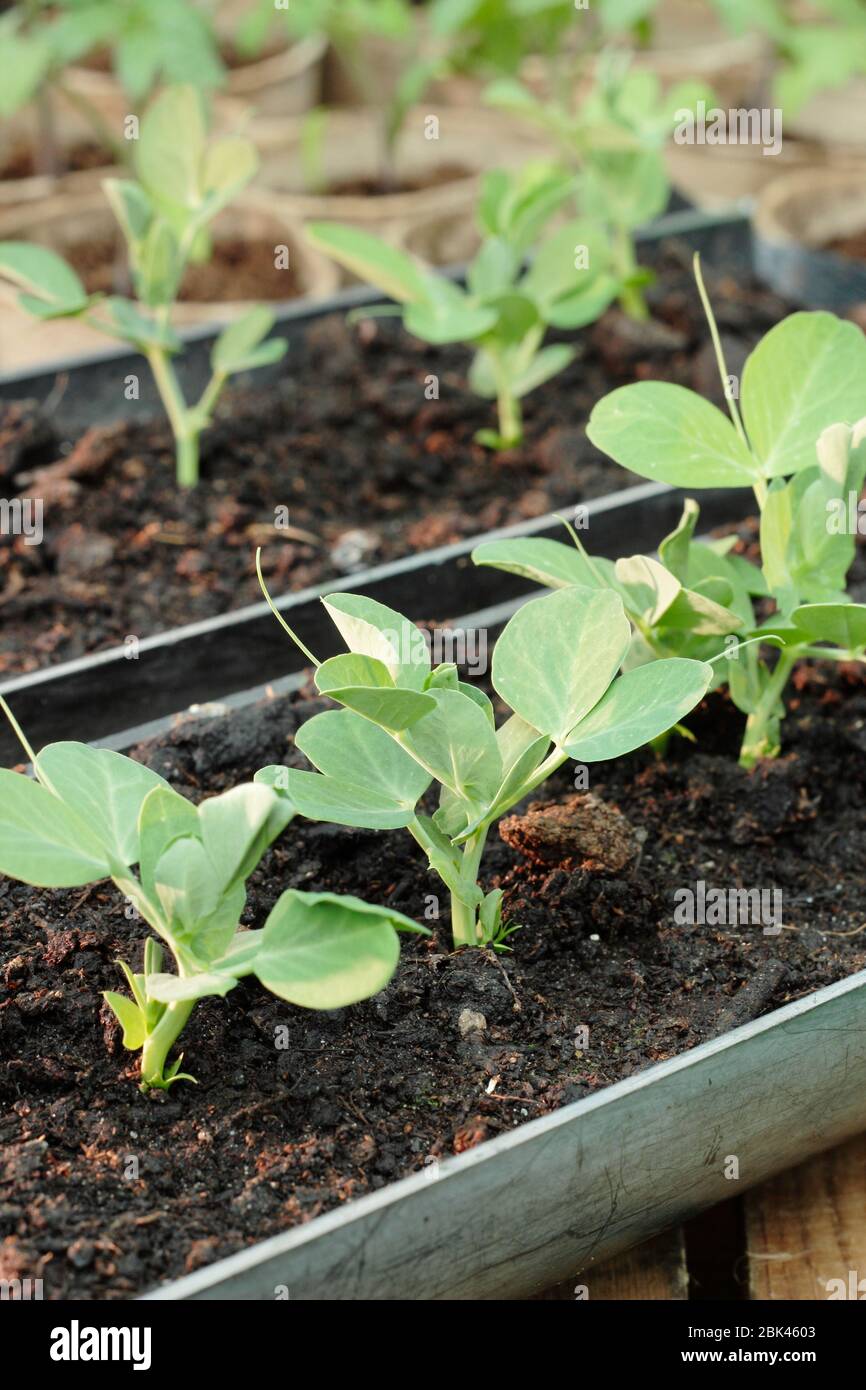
810, 236
438, 163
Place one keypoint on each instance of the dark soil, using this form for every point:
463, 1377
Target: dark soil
368, 467
104, 1192
238, 269
20, 163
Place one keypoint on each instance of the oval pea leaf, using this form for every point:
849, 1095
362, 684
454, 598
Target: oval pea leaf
323, 951
558, 655
671, 435
105, 788
841, 623
42, 841
51, 287
638, 707
550, 563
806, 373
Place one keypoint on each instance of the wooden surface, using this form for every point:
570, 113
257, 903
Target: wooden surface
790, 1238
807, 1227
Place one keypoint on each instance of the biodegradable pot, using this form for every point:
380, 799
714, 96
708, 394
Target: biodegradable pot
284, 82
443, 173
835, 118
66, 222
715, 176
795, 218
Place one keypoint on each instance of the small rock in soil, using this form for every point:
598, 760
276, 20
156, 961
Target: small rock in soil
582, 829
471, 1021
81, 553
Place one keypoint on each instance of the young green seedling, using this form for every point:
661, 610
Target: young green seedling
148, 41
93, 814
506, 309
803, 383
183, 181
615, 141
405, 726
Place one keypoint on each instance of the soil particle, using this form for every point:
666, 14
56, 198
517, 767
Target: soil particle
582, 831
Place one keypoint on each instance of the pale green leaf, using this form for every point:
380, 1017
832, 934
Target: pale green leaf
42, 841
638, 707
323, 952
669, 434
106, 789
557, 656
806, 373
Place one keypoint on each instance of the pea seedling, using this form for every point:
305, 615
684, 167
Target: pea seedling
404, 725
183, 182
614, 141
506, 309
92, 814
149, 41
801, 384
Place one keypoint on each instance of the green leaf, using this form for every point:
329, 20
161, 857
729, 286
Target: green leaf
106, 789
42, 841
25, 62
374, 630
171, 148
322, 951
457, 745
169, 989
669, 434
236, 828
238, 347
558, 655
341, 802
130, 1018
638, 707
347, 747
650, 589
390, 270
227, 166
164, 817
186, 886
45, 277
127, 322
841, 623
550, 563
806, 373
547, 363
132, 208
387, 707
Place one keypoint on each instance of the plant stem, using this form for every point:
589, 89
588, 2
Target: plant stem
158, 1043
464, 916
631, 297
510, 415
186, 436
101, 129
755, 738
